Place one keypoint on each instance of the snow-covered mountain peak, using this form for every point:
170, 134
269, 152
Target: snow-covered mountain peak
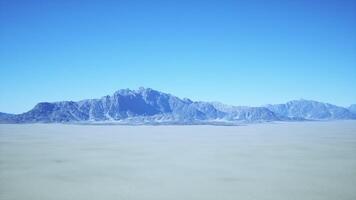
146, 105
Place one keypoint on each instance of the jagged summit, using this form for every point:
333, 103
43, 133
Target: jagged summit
149, 106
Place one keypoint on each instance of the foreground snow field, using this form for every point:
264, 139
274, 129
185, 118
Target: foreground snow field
300, 160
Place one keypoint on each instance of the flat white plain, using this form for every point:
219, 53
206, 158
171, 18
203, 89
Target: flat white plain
278, 161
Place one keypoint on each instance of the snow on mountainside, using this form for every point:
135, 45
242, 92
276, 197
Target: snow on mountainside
311, 110
143, 104
148, 106
5, 117
352, 108
244, 113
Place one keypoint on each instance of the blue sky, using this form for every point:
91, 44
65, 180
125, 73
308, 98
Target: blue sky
237, 52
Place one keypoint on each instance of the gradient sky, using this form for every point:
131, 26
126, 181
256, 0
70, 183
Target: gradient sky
237, 52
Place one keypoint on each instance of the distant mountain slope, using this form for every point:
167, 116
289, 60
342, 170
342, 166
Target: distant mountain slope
244, 113
311, 110
148, 106
352, 108
6, 117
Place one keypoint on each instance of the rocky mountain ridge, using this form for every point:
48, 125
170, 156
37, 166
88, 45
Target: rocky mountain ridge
148, 106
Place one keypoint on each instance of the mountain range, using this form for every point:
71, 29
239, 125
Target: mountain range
148, 106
